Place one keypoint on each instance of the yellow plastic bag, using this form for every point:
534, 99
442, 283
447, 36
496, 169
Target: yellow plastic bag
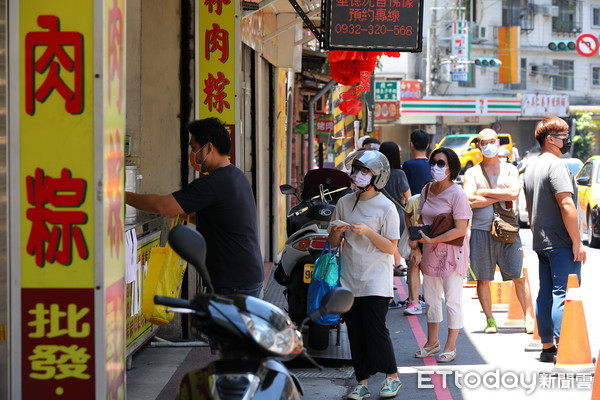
164, 278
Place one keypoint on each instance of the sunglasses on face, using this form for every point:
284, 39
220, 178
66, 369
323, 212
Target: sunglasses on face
439, 163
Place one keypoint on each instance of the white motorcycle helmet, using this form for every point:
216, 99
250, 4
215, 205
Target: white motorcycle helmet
375, 162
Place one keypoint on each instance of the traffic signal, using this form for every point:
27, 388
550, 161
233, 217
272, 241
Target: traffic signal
562, 45
488, 62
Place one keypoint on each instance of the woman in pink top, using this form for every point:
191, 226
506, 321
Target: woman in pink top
444, 265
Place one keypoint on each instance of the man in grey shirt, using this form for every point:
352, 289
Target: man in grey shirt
551, 193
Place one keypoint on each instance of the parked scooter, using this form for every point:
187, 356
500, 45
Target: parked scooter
307, 225
252, 335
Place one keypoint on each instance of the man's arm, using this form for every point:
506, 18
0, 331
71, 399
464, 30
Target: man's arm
569, 217
165, 206
504, 194
470, 188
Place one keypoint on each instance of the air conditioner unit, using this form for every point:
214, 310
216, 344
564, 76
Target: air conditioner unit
534, 69
551, 11
547, 69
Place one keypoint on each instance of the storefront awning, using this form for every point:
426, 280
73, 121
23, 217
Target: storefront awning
456, 106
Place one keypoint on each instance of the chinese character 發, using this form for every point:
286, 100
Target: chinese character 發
218, 5
48, 321
115, 51
55, 245
47, 362
214, 89
216, 39
54, 57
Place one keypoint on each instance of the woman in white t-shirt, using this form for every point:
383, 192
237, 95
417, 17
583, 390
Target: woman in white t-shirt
366, 269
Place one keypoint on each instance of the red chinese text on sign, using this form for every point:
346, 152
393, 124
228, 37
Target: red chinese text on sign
216, 5
115, 51
217, 39
55, 244
53, 58
214, 88
114, 192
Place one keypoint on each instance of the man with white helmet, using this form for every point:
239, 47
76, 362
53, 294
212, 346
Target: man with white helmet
370, 240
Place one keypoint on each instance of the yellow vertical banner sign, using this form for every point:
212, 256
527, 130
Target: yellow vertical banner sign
282, 119
52, 53
218, 48
508, 53
113, 88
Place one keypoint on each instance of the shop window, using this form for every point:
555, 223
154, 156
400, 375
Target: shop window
595, 17
569, 16
565, 77
595, 75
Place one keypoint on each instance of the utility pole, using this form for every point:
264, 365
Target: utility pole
431, 48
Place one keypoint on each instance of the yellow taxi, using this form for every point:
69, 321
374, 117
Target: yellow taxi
465, 145
588, 199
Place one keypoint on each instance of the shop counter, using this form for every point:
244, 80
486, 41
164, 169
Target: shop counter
141, 236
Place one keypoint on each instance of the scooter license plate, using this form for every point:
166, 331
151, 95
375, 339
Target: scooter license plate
308, 269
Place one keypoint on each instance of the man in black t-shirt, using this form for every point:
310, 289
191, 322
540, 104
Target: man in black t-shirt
224, 208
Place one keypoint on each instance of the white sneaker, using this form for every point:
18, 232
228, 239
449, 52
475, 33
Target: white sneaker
413, 309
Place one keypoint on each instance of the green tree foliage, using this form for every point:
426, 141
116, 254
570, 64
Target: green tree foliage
584, 139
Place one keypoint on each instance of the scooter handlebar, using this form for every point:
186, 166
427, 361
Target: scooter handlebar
172, 302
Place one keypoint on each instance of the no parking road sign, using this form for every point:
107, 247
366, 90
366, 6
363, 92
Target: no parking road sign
587, 44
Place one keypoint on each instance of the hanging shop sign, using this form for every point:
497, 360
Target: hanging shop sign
460, 51
386, 111
68, 113
476, 106
411, 90
217, 50
323, 125
545, 105
386, 90
395, 25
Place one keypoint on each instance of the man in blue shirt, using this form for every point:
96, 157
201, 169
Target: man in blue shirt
417, 169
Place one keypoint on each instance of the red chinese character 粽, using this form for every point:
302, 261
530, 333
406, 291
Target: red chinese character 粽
55, 244
216, 39
114, 192
214, 89
115, 51
218, 4
54, 57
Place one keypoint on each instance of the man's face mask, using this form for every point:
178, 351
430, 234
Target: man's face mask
193, 163
566, 143
490, 150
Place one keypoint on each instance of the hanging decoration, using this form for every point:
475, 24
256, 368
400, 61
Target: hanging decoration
354, 68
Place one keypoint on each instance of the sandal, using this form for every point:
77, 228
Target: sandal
425, 352
447, 356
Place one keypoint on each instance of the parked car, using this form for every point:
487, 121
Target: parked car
588, 187
465, 145
574, 165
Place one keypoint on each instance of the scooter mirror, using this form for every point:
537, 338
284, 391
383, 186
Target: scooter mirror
191, 246
337, 301
287, 189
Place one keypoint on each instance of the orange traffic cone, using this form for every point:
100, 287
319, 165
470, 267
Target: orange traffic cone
574, 354
500, 296
572, 282
536, 340
596, 389
515, 318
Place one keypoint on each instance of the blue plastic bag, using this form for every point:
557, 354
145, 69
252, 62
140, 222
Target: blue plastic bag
326, 276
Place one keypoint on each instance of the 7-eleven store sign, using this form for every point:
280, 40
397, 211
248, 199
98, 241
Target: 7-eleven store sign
476, 106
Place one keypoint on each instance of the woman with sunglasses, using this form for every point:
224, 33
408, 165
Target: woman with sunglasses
444, 266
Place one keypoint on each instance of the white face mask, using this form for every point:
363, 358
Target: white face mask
361, 179
438, 173
490, 150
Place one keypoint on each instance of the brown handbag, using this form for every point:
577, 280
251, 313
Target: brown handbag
505, 227
442, 224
